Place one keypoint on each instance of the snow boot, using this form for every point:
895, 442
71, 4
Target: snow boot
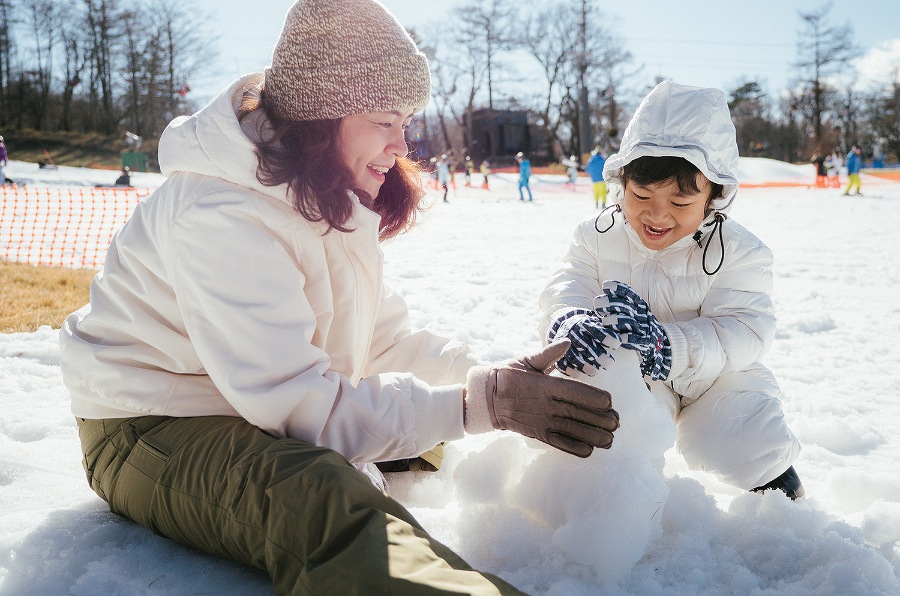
789, 482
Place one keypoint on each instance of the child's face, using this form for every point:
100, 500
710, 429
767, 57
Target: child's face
662, 216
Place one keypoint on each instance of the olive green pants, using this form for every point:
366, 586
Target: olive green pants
302, 513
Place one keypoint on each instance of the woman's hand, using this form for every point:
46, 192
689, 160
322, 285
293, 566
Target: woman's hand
522, 397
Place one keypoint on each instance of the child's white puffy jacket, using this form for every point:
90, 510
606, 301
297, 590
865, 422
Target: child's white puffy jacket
717, 323
218, 298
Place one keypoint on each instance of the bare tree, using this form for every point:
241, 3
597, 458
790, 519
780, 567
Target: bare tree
185, 49
457, 77
42, 21
573, 62
547, 36
884, 116
749, 108
848, 108
484, 32
613, 77
7, 13
102, 20
74, 61
824, 50
135, 38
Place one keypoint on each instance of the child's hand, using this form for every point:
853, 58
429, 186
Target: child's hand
591, 341
626, 314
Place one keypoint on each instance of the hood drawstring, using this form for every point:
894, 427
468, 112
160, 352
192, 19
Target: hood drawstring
614, 208
716, 223
718, 218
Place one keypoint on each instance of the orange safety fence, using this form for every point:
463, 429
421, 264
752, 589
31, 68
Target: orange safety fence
63, 226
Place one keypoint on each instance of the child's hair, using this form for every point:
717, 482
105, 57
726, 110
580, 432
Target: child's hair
653, 170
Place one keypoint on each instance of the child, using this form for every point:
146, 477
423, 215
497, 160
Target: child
524, 175
485, 169
594, 169
443, 174
691, 293
834, 163
854, 165
571, 172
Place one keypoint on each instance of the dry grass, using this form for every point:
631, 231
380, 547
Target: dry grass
33, 296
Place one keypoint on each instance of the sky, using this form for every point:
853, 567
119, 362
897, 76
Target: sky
701, 42
628, 521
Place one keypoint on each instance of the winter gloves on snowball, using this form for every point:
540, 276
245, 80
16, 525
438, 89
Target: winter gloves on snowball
521, 396
591, 341
620, 318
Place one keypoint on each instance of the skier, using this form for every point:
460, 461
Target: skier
571, 172
833, 165
125, 178
854, 165
818, 160
242, 366
470, 169
594, 169
668, 275
485, 169
443, 175
524, 175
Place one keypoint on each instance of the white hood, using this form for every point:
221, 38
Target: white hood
212, 142
682, 121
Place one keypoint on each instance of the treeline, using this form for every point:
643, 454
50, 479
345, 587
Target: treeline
585, 67
104, 66
111, 66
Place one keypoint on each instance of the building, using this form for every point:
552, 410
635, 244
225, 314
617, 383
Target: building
514, 131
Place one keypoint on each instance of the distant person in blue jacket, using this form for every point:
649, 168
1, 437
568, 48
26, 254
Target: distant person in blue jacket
524, 175
854, 165
594, 169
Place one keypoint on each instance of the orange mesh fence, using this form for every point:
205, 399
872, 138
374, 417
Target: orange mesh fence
62, 226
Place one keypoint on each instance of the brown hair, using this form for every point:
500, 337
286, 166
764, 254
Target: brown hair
304, 156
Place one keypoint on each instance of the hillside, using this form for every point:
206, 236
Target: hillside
74, 148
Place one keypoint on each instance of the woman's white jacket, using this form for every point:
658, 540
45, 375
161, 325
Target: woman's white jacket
218, 298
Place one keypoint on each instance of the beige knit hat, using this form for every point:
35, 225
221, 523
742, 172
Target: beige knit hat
336, 58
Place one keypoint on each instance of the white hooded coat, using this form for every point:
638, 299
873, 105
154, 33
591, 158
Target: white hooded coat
219, 298
711, 295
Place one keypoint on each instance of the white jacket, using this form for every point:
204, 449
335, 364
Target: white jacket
218, 298
717, 323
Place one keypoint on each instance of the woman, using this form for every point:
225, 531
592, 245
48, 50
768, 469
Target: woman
240, 347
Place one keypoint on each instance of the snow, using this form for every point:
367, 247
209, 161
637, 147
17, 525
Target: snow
631, 520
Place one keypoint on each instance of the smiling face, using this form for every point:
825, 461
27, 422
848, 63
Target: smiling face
661, 214
370, 144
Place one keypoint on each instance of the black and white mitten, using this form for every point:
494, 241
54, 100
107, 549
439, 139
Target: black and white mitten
591, 341
626, 314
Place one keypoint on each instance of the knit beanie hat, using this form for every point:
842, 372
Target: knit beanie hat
337, 58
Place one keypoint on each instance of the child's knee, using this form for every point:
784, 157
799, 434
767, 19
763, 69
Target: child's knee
738, 436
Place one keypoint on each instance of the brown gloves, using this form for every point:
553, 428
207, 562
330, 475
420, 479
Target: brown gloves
522, 397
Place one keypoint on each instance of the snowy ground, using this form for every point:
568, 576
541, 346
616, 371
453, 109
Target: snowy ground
552, 524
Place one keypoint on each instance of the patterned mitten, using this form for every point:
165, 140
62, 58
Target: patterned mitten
627, 315
591, 341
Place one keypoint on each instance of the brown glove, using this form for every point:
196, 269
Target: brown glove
520, 396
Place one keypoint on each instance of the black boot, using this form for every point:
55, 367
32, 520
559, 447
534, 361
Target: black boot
789, 482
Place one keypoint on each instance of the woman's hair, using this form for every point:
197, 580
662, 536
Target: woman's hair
304, 156
654, 170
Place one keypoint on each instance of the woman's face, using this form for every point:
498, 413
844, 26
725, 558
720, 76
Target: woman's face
370, 145
661, 215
